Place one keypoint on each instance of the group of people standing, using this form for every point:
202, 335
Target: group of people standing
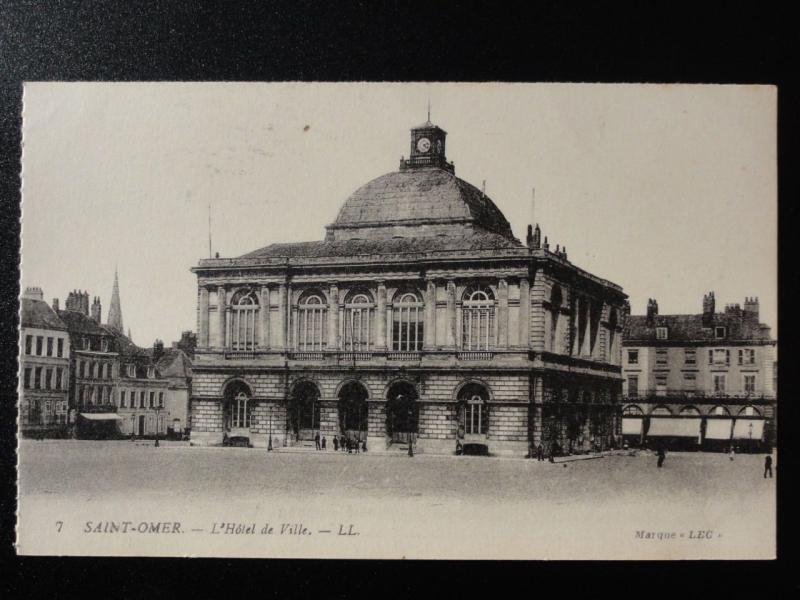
343, 443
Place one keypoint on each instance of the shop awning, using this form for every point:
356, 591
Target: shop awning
674, 427
101, 416
741, 431
632, 426
718, 429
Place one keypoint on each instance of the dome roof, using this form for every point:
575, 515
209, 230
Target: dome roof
419, 196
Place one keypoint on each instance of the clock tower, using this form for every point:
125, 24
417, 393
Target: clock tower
427, 148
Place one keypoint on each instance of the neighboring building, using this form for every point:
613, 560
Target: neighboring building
419, 316
44, 367
699, 381
117, 387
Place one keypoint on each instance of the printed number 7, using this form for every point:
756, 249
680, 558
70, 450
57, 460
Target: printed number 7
59, 524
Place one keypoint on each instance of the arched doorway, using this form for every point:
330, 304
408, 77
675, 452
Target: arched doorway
402, 412
237, 409
353, 411
473, 418
303, 413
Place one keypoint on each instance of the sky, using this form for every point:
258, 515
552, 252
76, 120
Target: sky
667, 190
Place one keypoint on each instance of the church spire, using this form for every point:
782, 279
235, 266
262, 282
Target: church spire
115, 310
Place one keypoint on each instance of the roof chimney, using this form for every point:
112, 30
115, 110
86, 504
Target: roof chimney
709, 308
34, 293
751, 308
652, 311
55, 304
97, 311
158, 350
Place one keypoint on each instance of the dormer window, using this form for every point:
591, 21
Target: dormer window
719, 332
661, 333
104, 345
131, 370
151, 372
85, 341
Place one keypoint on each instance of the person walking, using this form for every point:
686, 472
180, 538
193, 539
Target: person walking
364, 445
768, 466
335, 444
731, 454
661, 456
316, 440
324, 447
540, 452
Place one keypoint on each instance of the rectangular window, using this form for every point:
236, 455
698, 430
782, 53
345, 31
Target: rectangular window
49, 346
152, 399
123, 398
633, 386
719, 332
633, 357
748, 411
747, 356
28, 344
161, 399
661, 333
151, 372
48, 378
81, 368
749, 384
661, 385
39, 344
37, 378
719, 383
689, 381
719, 356
131, 370
27, 380
689, 356
141, 399
60, 348
661, 357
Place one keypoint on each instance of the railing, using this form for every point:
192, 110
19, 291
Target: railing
404, 356
345, 356
695, 395
475, 355
239, 354
306, 355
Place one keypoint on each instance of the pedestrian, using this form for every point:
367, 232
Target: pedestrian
459, 448
731, 453
316, 440
349, 446
335, 444
364, 445
540, 452
358, 446
768, 466
324, 447
661, 456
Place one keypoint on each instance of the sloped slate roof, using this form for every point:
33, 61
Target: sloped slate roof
174, 363
420, 195
77, 322
38, 314
478, 240
691, 328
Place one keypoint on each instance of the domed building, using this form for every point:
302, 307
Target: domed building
419, 319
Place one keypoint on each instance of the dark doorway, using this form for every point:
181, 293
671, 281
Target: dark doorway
353, 411
304, 410
402, 412
141, 425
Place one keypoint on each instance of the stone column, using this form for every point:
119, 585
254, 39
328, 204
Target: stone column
429, 339
333, 318
202, 326
450, 340
222, 313
281, 317
502, 313
263, 334
535, 418
380, 318
524, 313
576, 325
587, 333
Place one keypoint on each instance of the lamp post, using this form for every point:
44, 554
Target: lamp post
410, 430
750, 429
158, 410
269, 445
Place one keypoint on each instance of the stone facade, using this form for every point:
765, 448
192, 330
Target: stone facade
419, 318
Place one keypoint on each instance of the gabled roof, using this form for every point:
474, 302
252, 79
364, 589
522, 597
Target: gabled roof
686, 328
174, 363
38, 314
477, 240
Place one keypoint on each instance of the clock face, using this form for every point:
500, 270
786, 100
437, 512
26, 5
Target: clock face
423, 145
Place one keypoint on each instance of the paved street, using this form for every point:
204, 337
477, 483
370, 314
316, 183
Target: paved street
462, 507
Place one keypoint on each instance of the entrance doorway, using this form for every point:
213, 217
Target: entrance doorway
141, 425
353, 411
238, 410
402, 412
303, 411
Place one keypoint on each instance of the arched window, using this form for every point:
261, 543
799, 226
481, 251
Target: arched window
478, 319
556, 298
312, 323
242, 324
358, 329
407, 323
474, 417
241, 411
